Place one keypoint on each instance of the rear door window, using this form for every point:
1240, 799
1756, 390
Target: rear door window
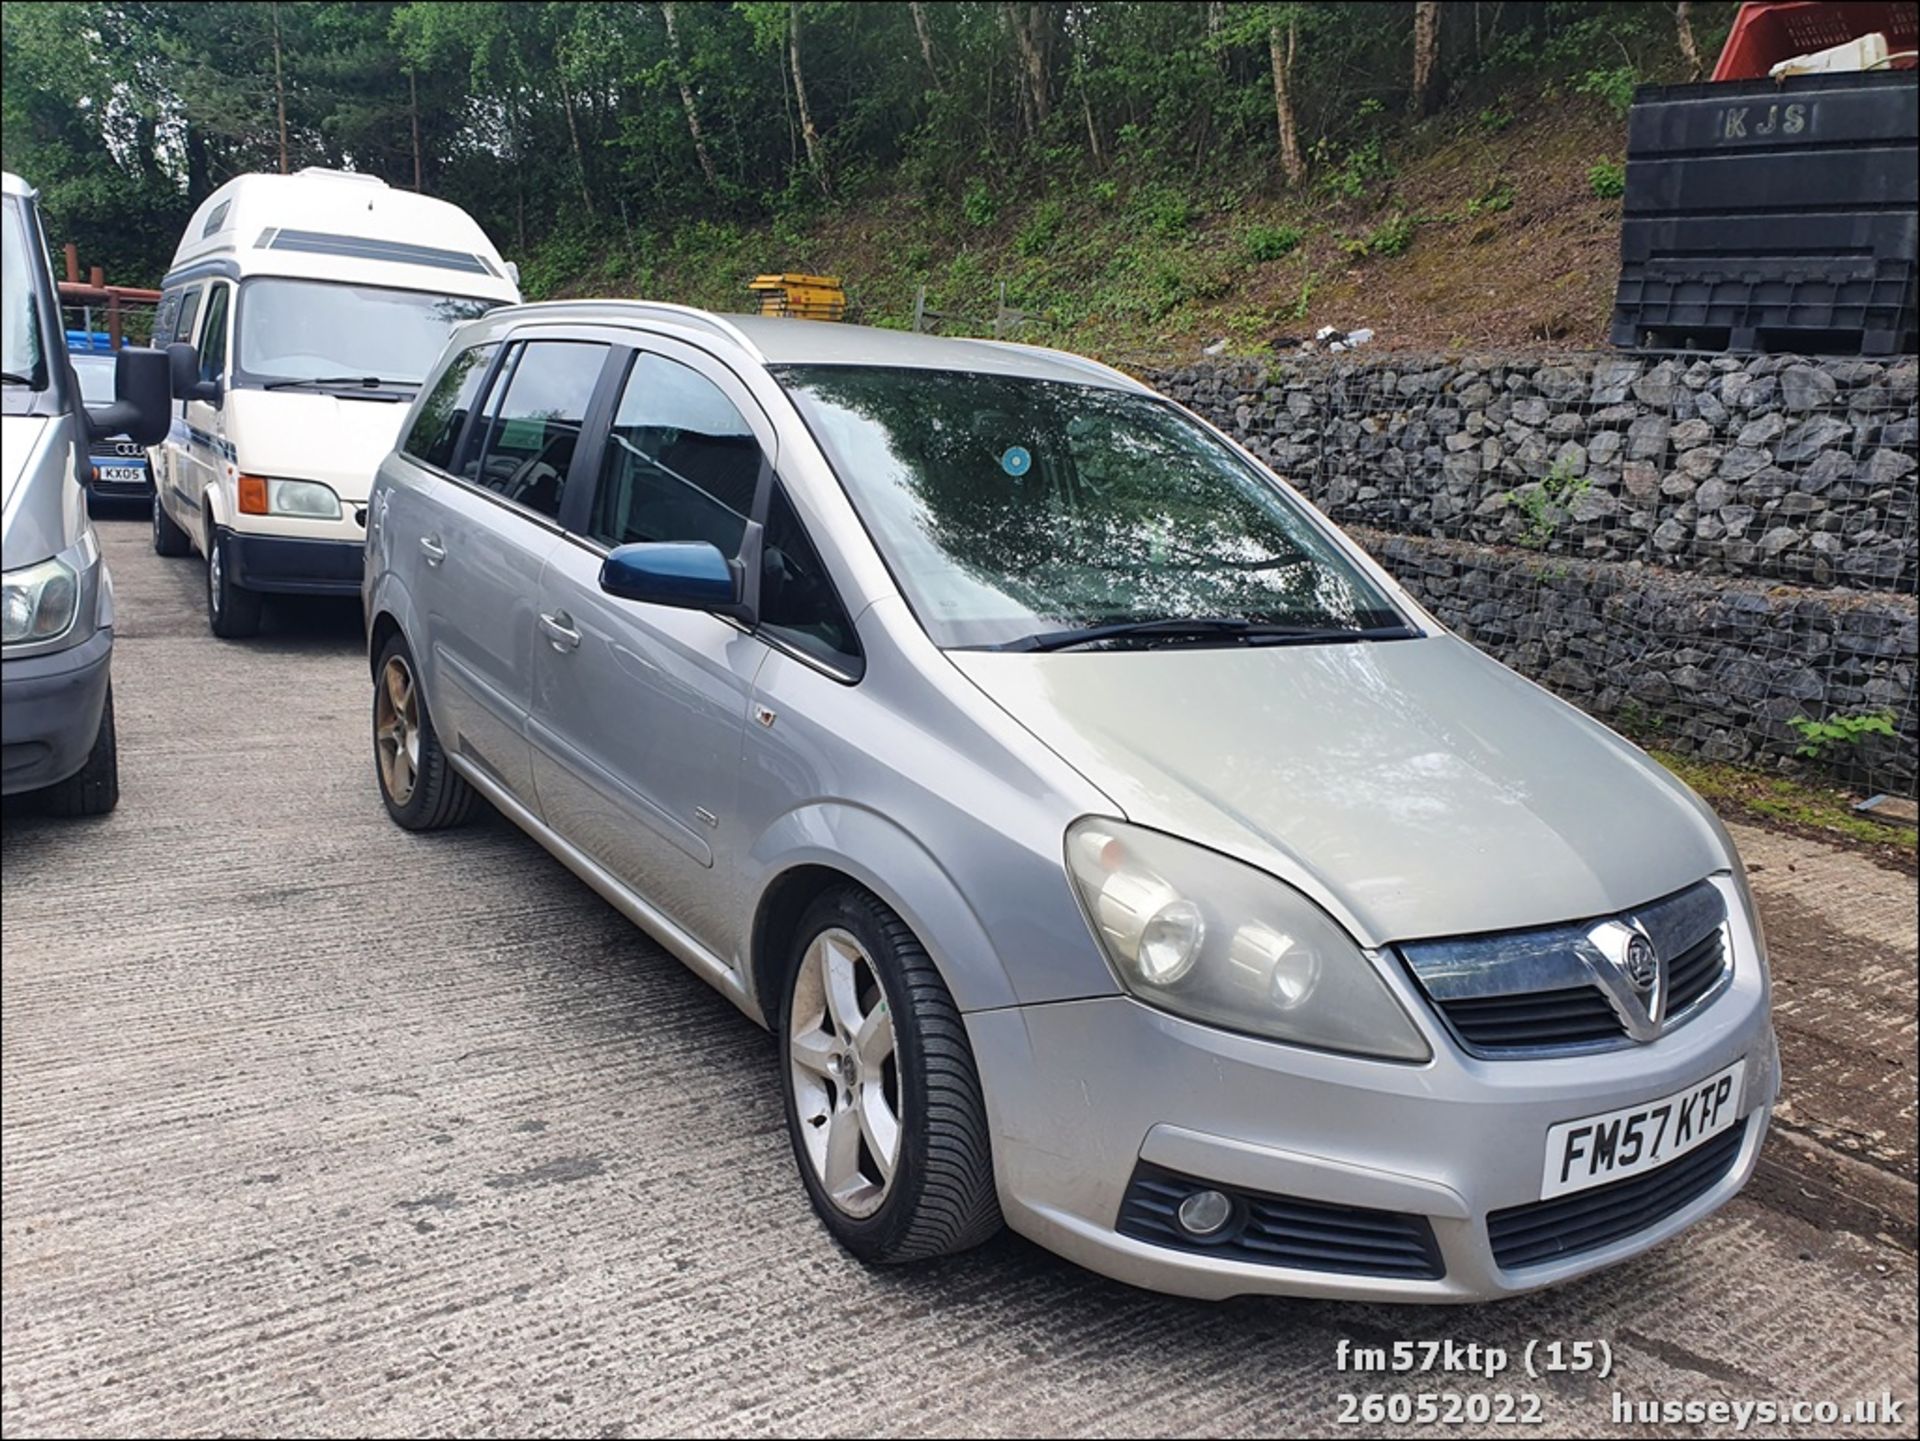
533, 426
189, 308
436, 430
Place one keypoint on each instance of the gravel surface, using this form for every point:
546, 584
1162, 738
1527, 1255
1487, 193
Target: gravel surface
311, 1125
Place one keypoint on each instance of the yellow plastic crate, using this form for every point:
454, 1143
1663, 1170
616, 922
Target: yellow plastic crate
803, 297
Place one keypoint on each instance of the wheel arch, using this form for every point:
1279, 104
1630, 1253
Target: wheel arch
811, 850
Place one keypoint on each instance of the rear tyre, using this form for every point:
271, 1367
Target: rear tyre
94, 789
168, 539
422, 791
233, 611
884, 1105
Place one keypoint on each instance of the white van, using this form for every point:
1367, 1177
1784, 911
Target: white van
301, 314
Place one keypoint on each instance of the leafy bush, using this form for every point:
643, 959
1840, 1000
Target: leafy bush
1497, 116
1270, 242
1819, 736
1036, 237
1349, 175
1495, 198
1614, 86
1166, 212
1608, 179
1392, 236
977, 204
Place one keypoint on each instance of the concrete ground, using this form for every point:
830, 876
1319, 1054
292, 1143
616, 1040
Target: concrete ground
314, 1126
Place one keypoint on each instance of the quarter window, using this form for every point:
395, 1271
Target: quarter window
534, 425
436, 430
797, 600
681, 462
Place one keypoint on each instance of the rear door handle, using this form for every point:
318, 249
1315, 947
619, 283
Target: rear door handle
431, 548
559, 631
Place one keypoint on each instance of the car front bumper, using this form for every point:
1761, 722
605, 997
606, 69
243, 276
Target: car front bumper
295, 565
1081, 1093
50, 712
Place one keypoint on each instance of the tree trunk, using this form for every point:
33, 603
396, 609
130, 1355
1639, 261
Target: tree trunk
1026, 22
413, 112
926, 39
573, 134
1683, 27
1093, 132
1426, 54
686, 100
279, 87
1291, 161
808, 134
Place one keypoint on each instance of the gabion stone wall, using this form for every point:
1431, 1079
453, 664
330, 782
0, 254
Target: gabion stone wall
1732, 514
1688, 663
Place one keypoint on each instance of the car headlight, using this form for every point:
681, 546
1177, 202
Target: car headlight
1193, 932
307, 498
39, 602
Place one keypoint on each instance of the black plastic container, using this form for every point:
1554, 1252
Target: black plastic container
1772, 216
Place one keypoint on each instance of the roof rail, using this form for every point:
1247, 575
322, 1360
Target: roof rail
332, 174
1067, 357
680, 314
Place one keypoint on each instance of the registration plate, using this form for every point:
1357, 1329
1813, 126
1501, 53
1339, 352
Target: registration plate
123, 474
1616, 1144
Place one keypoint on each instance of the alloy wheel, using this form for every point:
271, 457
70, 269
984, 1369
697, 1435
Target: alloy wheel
845, 1073
213, 572
396, 730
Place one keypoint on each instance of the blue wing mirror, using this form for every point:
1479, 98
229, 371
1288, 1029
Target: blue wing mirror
691, 575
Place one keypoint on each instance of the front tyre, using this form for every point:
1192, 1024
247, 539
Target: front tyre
421, 790
168, 539
233, 611
884, 1106
94, 789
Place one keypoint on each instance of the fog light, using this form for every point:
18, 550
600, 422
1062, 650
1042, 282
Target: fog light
1205, 1212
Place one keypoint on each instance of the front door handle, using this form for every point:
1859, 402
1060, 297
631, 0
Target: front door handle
431, 548
559, 631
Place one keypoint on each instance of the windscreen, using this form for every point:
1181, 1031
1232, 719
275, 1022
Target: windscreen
294, 330
1008, 507
22, 347
96, 378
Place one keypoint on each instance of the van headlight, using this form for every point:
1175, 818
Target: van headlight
1190, 931
306, 498
39, 602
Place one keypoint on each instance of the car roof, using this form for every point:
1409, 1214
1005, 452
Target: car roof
770, 340
11, 184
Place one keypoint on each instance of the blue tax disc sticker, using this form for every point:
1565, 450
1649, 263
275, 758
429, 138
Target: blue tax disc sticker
1016, 461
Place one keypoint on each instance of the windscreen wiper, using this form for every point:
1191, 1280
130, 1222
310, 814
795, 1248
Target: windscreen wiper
9, 378
365, 382
1232, 630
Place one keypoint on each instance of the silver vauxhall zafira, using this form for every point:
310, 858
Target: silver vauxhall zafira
1114, 847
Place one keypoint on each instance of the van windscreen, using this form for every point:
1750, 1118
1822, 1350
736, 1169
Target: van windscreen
314, 330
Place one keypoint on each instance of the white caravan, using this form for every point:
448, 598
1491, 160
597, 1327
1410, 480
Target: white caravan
301, 313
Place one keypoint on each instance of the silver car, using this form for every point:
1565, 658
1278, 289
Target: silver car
1115, 848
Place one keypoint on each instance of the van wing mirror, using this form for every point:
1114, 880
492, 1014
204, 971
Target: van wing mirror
690, 575
142, 407
183, 372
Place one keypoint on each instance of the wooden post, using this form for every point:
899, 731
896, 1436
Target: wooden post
113, 319
920, 310
73, 263
97, 278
